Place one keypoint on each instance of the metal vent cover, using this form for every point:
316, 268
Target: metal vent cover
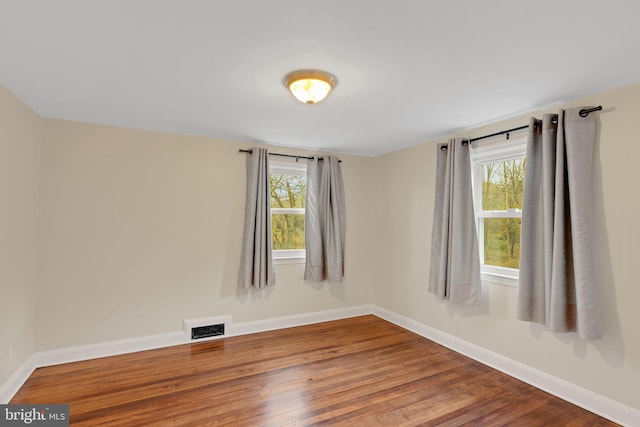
207, 331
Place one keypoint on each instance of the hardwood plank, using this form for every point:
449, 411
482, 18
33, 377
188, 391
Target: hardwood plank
358, 371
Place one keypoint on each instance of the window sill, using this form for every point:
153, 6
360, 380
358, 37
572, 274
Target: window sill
499, 279
289, 260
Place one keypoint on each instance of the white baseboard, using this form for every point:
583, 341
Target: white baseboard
15, 381
109, 348
579, 396
593, 402
298, 320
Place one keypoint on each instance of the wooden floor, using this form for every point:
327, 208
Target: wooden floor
359, 371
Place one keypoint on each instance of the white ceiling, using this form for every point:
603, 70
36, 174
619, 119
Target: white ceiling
408, 71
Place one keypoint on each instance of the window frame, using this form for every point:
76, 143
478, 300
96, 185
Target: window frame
491, 151
287, 166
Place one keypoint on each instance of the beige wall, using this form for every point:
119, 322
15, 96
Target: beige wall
141, 230
20, 137
611, 366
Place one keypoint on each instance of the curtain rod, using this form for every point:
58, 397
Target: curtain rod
583, 113
286, 155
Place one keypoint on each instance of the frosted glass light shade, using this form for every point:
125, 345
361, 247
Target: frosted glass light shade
309, 86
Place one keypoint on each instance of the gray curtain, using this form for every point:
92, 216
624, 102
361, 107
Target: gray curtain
455, 260
256, 261
557, 286
324, 223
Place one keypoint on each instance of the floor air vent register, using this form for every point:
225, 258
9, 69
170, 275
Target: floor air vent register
200, 332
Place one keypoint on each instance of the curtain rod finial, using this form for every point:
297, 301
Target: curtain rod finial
585, 112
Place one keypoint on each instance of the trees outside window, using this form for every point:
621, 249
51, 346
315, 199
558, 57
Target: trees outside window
502, 185
288, 186
498, 183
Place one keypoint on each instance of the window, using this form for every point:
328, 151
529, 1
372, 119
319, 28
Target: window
288, 182
498, 182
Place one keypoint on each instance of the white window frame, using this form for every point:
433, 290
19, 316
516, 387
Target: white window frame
288, 166
490, 151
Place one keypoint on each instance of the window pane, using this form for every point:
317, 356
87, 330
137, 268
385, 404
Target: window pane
287, 191
502, 184
502, 242
287, 231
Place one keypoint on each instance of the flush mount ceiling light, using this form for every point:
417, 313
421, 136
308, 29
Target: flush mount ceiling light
310, 86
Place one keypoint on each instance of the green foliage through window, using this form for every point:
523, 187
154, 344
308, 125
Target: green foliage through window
287, 231
502, 242
502, 187
287, 203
